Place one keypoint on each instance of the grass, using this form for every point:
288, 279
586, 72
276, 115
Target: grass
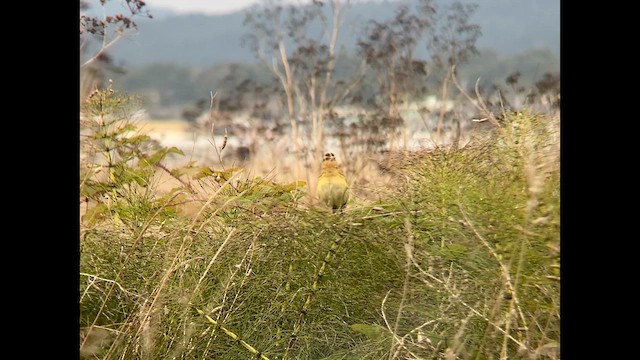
461, 262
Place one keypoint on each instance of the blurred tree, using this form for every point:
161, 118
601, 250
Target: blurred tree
106, 31
389, 48
508, 83
304, 62
493, 69
549, 89
452, 44
110, 28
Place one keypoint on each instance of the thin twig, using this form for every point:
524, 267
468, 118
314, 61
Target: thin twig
443, 106
104, 48
213, 137
126, 260
251, 250
384, 317
213, 259
457, 297
335, 244
93, 279
478, 104
503, 268
183, 247
408, 247
232, 335
456, 340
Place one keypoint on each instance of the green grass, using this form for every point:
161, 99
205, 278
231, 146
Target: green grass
463, 263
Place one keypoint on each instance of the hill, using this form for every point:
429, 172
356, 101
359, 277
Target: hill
508, 27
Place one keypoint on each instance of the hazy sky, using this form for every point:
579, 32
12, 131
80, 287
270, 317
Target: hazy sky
209, 6
202, 6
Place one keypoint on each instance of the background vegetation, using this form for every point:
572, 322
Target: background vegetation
198, 52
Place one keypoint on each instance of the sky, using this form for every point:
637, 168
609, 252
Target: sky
210, 7
201, 6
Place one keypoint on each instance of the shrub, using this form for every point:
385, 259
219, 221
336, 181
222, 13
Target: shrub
462, 263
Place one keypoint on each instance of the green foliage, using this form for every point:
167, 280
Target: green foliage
487, 212
118, 163
467, 254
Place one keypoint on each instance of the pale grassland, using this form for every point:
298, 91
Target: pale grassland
366, 179
269, 159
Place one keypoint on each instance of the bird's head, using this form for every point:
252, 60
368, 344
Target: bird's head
329, 157
329, 161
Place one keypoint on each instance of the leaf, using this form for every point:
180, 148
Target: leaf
294, 185
195, 172
454, 251
138, 139
338, 355
175, 150
179, 198
95, 214
94, 190
223, 176
124, 174
160, 154
202, 172
125, 129
373, 332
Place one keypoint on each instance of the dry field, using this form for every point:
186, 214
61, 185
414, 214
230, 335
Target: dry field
370, 176
271, 158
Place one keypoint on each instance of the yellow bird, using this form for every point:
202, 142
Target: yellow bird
332, 185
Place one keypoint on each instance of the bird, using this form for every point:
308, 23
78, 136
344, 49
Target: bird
332, 187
